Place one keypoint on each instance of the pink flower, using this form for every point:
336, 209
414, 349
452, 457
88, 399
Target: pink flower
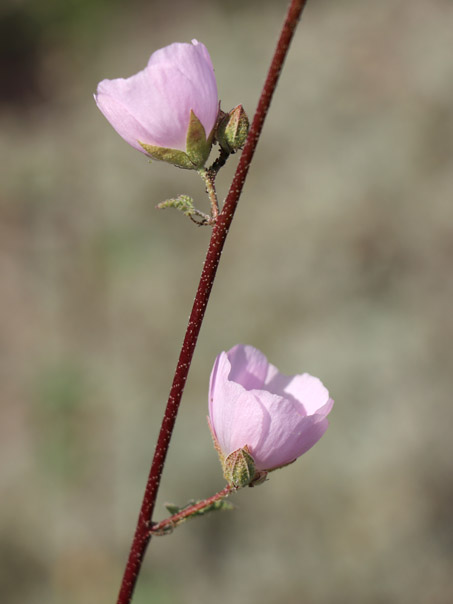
251, 404
172, 105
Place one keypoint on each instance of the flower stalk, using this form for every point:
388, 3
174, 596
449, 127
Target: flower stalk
213, 503
143, 533
208, 177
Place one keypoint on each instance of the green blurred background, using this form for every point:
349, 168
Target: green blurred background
338, 263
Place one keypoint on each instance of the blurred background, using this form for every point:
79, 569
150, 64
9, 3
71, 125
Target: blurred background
338, 263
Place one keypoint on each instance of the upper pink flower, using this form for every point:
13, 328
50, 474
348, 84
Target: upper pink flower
154, 106
251, 403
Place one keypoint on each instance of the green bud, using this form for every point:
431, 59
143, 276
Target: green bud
233, 129
239, 468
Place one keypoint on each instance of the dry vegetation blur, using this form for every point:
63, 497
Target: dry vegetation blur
339, 263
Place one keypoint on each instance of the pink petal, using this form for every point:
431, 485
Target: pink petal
241, 423
290, 432
118, 115
306, 389
195, 68
236, 416
249, 366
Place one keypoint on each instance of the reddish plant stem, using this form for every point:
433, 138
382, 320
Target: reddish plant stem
159, 527
219, 233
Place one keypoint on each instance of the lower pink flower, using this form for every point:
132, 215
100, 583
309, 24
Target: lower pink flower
253, 405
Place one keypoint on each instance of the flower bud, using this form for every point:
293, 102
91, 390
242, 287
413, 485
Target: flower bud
239, 468
233, 129
167, 111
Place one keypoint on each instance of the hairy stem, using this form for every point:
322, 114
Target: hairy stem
208, 177
220, 230
159, 528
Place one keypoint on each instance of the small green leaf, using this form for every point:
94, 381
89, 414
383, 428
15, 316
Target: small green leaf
171, 156
183, 203
197, 147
